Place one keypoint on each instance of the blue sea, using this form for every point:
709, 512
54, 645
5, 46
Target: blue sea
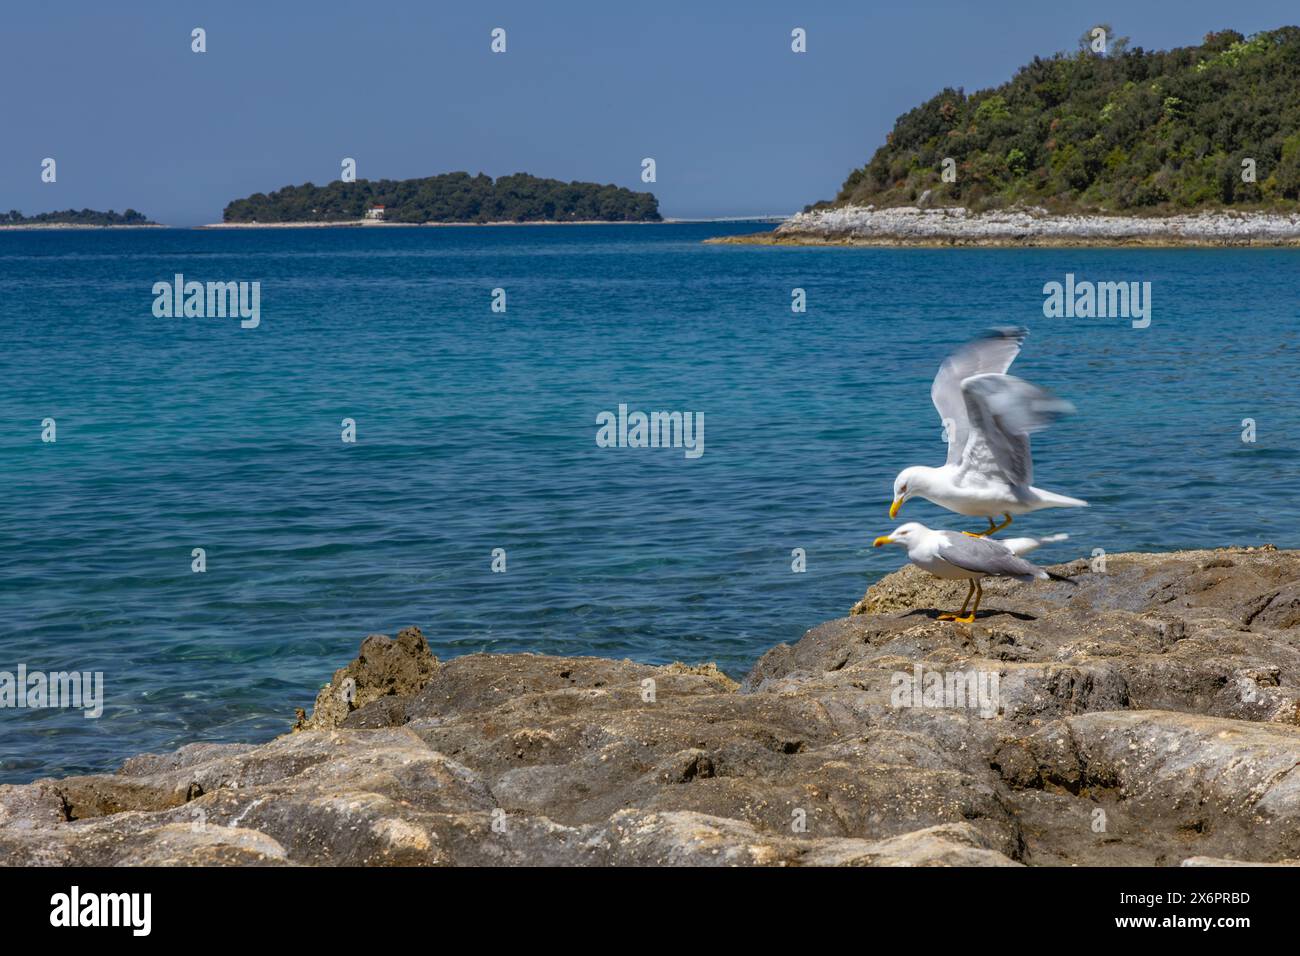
476, 430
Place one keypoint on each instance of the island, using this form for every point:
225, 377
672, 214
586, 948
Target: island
75, 218
1193, 146
450, 198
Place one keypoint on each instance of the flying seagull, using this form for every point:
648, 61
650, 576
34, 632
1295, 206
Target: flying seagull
988, 417
952, 554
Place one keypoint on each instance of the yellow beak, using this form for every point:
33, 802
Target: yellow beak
893, 509
883, 539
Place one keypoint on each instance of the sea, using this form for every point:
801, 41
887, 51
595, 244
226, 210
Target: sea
213, 516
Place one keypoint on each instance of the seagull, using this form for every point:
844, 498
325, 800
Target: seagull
951, 555
988, 417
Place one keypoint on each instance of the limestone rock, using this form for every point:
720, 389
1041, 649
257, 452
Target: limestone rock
1146, 716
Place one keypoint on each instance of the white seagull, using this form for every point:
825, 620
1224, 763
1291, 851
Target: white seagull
988, 417
952, 554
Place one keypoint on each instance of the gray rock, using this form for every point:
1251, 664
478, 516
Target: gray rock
384, 669
1146, 716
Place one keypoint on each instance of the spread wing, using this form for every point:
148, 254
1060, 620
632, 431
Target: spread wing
1003, 411
992, 353
985, 556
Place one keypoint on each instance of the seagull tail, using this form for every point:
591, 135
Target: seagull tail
1060, 577
1022, 546
1051, 499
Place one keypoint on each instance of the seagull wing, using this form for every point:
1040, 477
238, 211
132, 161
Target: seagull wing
1004, 411
993, 352
985, 557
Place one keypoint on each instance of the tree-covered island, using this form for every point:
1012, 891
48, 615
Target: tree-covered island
450, 197
1125, 130
75, 217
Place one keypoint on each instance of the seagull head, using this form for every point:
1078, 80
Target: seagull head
910, 481
905, 534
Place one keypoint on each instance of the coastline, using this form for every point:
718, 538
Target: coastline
376, 223
371, 223
853, 226
1138, 694
24, 226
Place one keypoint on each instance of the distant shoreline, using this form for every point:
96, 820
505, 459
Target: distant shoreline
376, 223
1023, 228
23, 226
372, 223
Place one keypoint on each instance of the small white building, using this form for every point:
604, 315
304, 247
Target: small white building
375, 212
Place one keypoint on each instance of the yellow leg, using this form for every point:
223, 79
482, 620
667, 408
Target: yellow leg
957, 617
992, 528
979, 593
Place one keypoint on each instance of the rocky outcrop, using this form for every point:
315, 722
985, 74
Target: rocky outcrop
1148, 715
955, 226
385, 671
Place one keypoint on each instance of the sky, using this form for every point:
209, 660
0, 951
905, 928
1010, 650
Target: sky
736, 122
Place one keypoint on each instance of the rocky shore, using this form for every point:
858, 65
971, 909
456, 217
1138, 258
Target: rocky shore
1148, 716
916, 226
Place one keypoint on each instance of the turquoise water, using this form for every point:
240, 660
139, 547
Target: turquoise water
476, 430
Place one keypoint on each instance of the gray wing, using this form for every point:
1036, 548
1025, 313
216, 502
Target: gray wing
994, 352
985, 556
1004, 411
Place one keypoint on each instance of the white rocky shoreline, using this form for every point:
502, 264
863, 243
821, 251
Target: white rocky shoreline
956, 226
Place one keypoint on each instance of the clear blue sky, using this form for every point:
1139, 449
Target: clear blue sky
736, 122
